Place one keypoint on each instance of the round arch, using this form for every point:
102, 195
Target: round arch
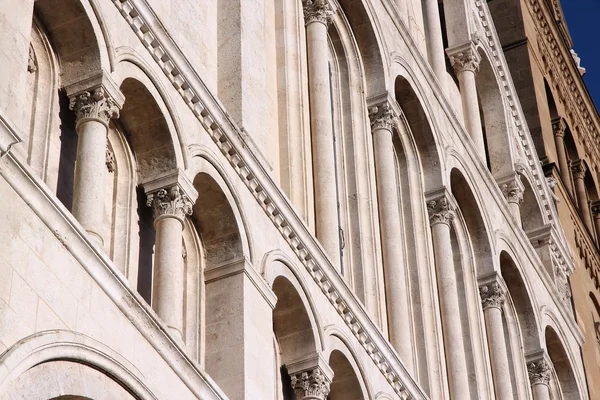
563, 367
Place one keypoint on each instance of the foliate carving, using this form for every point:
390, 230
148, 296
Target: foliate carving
539, 372
170, 202
491, 295
312, 383
32, 61
110, 160
579, 169
466, 60
513, 191
96, 104
440, 211
559, 127
382, 117
317, 11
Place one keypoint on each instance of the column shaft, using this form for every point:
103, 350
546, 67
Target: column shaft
456, 363
540, 391
167, 296
582, 201
396, 286
563, 164
470, 103
88, 190
321, 122
539, 378
498, 354
435, 46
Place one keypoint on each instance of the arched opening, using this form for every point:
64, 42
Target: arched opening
294, 333
345, 384
567, 383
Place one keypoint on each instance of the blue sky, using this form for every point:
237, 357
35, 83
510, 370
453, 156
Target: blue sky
583, 21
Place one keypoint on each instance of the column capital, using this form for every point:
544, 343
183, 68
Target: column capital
171, 194
382, 116
579, 168
539, 372
317, 11
97, 98
512, 188
559, 127
311, 377
492, 295
440, 210
464, 57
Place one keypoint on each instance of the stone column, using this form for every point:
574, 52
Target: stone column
396, 286
311, 378
539, 378
93, 108
171, 200
465, 61
435, 45
559, 128
440, 217
579, 169
317, 16
513, 189
492, 298
595, 208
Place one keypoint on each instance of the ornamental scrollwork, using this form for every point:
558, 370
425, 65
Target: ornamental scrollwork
95, 104
440, 211
170, 202
466, 60
491, 295
539, 372
313, 384
382, 117
317, 11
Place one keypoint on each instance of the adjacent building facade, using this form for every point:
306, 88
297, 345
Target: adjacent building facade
296, 199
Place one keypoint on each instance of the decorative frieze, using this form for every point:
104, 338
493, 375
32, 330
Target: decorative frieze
171, 201
382, 117
539, 372
492, 295
95, 104
313, 384
440, 211
317, 11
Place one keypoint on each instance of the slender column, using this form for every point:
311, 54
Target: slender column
317, 15
595, 208
512, 190
396, 286
539, 378
93, 110
170, 205
435, 45
579, 169
559, 128
465, 61
440, 217
492, 299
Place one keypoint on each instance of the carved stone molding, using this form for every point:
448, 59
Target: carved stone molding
313, 384
464, 58
170, 201
440, 211
110, 160
579, 169
32, 61
382, 117
95, 104
559, 127
317, 11
513, 190
492, 295
539, 372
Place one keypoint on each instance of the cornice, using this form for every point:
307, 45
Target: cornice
567, 79
227, 136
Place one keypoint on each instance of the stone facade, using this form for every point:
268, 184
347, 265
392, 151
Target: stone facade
296, 199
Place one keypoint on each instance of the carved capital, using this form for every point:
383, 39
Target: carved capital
317, 11
110, 160
579, 169
94, 104
170, 201
465, 60
313, 384
31, 61
382, 117
539, 372
440, 211
492, 295
559, 127
513, 190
